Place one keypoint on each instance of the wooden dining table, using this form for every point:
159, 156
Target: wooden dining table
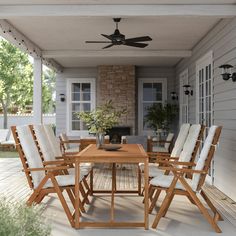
128, 153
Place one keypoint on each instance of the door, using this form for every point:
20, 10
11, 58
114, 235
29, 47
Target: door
150, 91
183, 99
204, 98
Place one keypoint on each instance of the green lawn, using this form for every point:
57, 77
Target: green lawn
8, 154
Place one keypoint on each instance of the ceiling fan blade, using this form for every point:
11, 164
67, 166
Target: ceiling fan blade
107, 36
108, 46
97, 41
138, 45
139, 39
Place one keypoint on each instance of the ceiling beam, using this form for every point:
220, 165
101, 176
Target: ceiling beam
14, 36
113, 53
222, 11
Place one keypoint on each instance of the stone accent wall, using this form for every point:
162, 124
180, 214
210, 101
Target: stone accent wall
117, 83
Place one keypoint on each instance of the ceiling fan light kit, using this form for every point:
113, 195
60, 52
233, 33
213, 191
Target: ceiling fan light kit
119, 39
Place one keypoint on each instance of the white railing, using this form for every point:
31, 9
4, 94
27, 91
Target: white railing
25, 119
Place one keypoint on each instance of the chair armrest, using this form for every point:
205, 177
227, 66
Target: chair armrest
47, 168
71, 141
176, 163
182, 170
57, 162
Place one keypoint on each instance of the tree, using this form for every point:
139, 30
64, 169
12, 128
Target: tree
12, 71
16, 81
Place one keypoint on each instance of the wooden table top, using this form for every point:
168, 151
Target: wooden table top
129, 153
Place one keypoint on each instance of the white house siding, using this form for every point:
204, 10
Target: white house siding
61, 86
222, 42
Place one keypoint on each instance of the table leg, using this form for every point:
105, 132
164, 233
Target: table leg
113, 189
77, 193
146, 199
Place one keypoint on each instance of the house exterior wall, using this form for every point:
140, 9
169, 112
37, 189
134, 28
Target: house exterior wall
93, 72
221, 40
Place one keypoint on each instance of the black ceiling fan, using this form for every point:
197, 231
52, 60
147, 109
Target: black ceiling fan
119, 39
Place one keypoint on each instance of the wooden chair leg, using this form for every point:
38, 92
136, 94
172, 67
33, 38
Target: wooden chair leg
71, 196
168, 205
91, 182
154, 200
139, 181
210, 204
39, 198
200, 206
83, 193
191, 200
165, 202
86, 185
63, 201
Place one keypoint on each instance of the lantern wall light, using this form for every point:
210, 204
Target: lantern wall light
226, 72
187, 90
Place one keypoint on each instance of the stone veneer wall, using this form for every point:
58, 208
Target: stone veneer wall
118, 84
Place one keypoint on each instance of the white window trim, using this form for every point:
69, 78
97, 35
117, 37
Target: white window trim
181, 75
68, 102
164, 100
207, 58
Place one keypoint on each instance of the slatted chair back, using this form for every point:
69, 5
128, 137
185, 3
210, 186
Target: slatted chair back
192, 143
29, 154
44, 143
180, 140
206, 156
169, 141
65, 141
54, 142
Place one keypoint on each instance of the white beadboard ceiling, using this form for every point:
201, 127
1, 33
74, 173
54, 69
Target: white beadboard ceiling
62, 38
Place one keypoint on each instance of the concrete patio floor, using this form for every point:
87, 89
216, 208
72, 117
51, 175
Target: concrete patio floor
183, 218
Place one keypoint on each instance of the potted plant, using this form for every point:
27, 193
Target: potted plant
159, 116
101, 119
20, 220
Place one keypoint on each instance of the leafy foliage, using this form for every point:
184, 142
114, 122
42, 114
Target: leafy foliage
16, 80
160, 116
102, 118
19, 220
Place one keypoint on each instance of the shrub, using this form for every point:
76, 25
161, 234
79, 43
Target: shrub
17, 219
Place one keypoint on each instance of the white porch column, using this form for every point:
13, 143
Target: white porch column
37, 92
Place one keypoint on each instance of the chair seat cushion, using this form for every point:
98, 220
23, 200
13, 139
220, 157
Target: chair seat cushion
165, 181
159, 149
63, 180
74, 149
153, 169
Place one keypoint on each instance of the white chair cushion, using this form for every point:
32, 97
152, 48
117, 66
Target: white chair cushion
31, 153
159, 149
190, 143
152, 168
75, 149
169, 138
54, 142
203, 155
165, 182
63, 180
179, 143
3, 134
44, 143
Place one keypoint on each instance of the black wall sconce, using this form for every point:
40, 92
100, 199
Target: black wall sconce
226, 72
187, 90
62, 97
174, 96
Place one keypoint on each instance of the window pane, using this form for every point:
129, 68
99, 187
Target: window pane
85, 87
75, 87
75, 96
157, 91
75, 107
147, 92
74, 116
75, 125
86, 106
86, 96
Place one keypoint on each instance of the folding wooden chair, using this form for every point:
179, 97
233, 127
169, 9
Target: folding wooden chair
178, 184
65, 144
43, 177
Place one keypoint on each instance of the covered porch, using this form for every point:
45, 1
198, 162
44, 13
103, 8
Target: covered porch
190, 41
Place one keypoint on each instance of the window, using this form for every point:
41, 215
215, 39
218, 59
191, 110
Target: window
81, 97
150, 91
